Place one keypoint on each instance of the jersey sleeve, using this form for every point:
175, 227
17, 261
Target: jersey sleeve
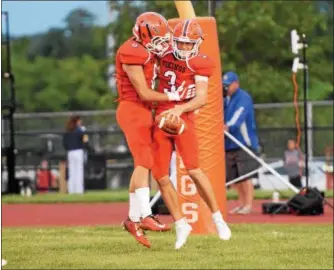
202, 65
132, 53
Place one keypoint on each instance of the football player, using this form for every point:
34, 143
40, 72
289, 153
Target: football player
135, 75
183, 65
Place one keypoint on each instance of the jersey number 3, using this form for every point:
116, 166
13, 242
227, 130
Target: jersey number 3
172, 81
188, 92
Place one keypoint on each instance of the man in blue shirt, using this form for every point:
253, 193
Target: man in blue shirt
239, 120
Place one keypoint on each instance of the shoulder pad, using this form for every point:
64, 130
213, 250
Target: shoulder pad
133, 53
202, 65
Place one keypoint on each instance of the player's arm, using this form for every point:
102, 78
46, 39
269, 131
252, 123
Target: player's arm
239, 115
201, 83
137, 78
203, 68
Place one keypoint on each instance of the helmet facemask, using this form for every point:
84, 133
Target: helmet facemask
158, 45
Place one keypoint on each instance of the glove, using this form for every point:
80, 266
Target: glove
177, 95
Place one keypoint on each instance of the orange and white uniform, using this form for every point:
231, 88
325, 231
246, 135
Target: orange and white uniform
135, 59
133, 115
178, 66
172, 74
133, 53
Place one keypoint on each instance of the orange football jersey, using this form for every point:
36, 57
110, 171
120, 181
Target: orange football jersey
133, 53
173, 72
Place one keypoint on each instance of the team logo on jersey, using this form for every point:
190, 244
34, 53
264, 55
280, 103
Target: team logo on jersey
135, 45
225, 77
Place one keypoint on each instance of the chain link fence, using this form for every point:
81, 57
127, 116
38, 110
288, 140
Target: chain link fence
276, 124
38, 137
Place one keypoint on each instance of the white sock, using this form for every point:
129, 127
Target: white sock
143, 197
181, 222
217, 216
134, 208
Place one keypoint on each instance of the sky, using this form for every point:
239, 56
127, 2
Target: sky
31, 17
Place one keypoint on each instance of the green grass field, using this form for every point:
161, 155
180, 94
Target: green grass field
251, 247
115, 196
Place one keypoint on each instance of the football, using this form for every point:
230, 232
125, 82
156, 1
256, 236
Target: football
175, 127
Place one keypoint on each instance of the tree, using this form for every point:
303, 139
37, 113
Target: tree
68, 84
79, 20
51, 44
255, 41
67, 68
125, 14
80, 36
79, 32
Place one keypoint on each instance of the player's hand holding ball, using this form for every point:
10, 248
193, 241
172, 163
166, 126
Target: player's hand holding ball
170, 121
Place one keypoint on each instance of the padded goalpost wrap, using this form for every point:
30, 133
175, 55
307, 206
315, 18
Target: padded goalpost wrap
210, 135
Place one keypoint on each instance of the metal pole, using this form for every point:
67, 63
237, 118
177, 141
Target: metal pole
310, 129
212, 8
12, 184
110, 54
306, 142
259, 160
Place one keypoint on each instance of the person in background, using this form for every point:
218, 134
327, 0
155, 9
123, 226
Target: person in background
74, 141
293, 163
45, 178
239, 119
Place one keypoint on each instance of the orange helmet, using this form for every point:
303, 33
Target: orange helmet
152, 30
187, 31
